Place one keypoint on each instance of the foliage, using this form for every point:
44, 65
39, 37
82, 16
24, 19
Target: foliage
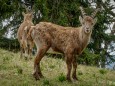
62, 77
19, 70
10, 44
88, 57
46, 83
102, 71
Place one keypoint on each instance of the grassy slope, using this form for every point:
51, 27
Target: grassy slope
18, 72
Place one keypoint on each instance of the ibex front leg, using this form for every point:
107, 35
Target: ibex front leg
21, 51
74, 63
38, 74
68, 58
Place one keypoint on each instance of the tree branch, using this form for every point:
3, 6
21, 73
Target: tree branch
100, 3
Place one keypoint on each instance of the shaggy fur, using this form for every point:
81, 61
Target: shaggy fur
25, 45
70, 41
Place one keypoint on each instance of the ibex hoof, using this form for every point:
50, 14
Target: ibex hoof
75, 78
69, 80
36, 76
41, 76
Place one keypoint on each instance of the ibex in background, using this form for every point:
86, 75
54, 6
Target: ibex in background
70, 41
25, 45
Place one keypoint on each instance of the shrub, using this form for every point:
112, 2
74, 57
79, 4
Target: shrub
52, 66
80, 73
46, 82
19, 70
61, 77
102, 71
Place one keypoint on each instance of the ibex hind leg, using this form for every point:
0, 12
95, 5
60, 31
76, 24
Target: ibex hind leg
21, 52
37, 71
30, 52
26, 53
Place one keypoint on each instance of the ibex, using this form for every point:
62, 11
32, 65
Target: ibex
70, 41
25, 45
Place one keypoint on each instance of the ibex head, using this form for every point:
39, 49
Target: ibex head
88, 21
28, 15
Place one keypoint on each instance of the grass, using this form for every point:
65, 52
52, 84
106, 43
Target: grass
18, 72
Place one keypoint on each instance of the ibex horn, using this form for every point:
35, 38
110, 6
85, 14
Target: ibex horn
27, 10
94, 13
82, 11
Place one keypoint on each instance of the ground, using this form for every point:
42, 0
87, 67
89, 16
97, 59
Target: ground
18, 72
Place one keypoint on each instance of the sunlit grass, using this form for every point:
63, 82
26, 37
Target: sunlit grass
18, 72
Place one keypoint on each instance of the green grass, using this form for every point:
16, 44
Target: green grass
18, 72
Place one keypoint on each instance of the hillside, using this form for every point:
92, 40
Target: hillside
18, 72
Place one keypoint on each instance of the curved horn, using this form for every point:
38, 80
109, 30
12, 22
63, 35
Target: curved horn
32, 9
94, 13
27, 9
82, 11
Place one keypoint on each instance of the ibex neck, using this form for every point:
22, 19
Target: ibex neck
27, 21
84, 37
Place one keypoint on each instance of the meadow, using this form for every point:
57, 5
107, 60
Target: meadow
18, 72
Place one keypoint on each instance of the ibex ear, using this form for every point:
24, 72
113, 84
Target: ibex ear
80, 19
23, 13
95, 20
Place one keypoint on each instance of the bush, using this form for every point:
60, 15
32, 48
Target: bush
46, 82
61, 77
102, 71
19, 70
80, 73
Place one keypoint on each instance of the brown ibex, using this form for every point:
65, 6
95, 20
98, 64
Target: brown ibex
70, 41
25, 45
